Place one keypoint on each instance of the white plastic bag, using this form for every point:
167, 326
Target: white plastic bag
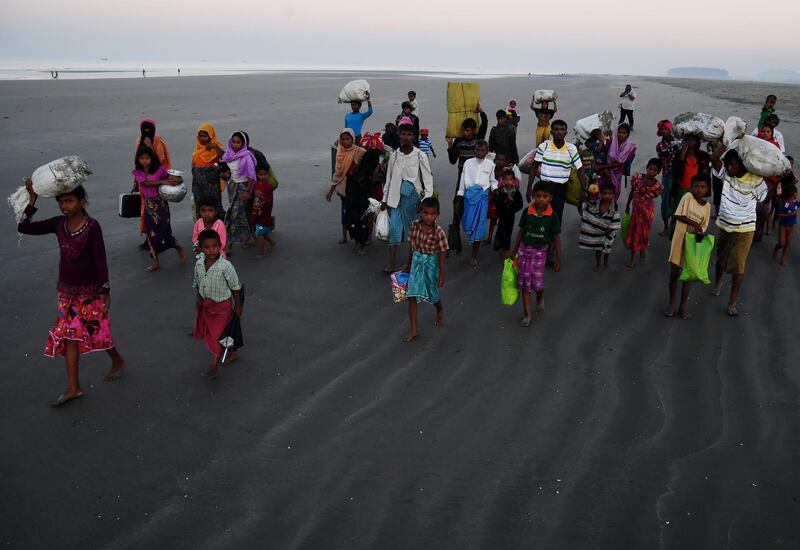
735, 128
585, 126
172, 193
382, 225
705, 126
761, 157
544, 95
51, 180
355, 90
526, 162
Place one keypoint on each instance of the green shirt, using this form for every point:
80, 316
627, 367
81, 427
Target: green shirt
763, 116
539, 230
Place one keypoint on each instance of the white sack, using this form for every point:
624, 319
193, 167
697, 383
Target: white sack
355, 90
51, 180
761, 157
735, 128
544, 95
705, 126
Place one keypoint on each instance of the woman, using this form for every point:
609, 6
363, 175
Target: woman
689, 162
242, 165
358, 190
205, 175
620, 153
148, 138
348, 157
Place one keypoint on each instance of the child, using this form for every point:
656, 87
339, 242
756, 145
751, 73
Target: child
408, 112
412, 98
218, 297
260, 215
787, 219
425, 144
502, 139
644, 188
513, 114
460, 150
355, 119
543, 116
82, 325
539, 230
425, 264
600, 222
767, 109
508, 201
208, 207
692, 215
477, 181
390, 137
149, 175
500, 165
667, 150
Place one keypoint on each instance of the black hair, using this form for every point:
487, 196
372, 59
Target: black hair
772, 96
508, 172
732, 156
543, 186
151, 132
625, 126
767, 125
406, 105
790, 158
701, 177
223, 167
430, 202
412, 92
368, 164
79, 193
595, 134
788, 189
501, 113
262, 167
607, 186
655, 161
469, 124
208, 200
207, 235
773, 119
244, 136
155, 163
406, 128
481, 143
390, 126
360, 103
559, 122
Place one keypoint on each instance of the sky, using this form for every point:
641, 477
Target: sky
617, 37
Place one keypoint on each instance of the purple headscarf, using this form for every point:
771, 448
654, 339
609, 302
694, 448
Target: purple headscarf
622, 153
247, 162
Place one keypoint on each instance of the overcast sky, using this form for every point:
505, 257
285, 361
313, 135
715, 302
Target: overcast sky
622, 37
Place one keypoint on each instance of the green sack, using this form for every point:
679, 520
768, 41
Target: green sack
696, 257
626, 225
509, 292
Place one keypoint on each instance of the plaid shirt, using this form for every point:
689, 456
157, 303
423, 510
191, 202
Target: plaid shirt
667, 151
427, 243
216, 283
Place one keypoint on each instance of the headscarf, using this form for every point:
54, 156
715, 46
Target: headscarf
247, 162
147, 128
665, 124
345, 156
511, 108
201, 156
405, 120
159, 145
621, 152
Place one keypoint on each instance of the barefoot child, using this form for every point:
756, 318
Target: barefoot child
693, 214
477, 182
644, 188
218, 297
539, 230
787, 219
260, 215
425, 264
82, 325
208, 207
600, 222
508, 201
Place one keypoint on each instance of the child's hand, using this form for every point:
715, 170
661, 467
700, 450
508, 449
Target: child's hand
329, 194
406, 268
106, 299
557, 265
238, 310
383, 206
32, 195
198, 299
440, 282
449, 142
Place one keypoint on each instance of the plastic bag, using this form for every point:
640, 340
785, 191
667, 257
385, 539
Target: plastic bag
372, 141
172, 193
572, 193
462, 100
761, 157
382, 225
625, 227
705, 126
526, 162
399, 286
51, 180
544, 95
509, 291
696, 257
585, 126
735, 128
355, 90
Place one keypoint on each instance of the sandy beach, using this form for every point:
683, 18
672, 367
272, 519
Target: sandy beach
603, 426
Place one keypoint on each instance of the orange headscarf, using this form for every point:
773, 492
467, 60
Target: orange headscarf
345, 157
202, 157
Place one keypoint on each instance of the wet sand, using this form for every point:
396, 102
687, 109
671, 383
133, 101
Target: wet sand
604, 425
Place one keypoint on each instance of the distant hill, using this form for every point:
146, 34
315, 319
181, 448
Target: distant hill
698, 72
780, 75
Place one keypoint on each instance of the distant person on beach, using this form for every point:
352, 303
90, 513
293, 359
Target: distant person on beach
408, 112
627, 106
600, 222
425, 265
208, 151
348, 157
84, 298
179, 72
218, 298
741, 193
544, 115
412, 98
644, 189
692, 215
477, 183
777, 136
408, 181
767, 109
503, 139
259, 214
539, 232
461, 149
148, 176
242, 164
666, 149
208, 218
144, 74
787, 219
355, 119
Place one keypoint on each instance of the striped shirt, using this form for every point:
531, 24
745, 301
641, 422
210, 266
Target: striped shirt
598, 230
217, 282
425, 145
737, 207
557, 164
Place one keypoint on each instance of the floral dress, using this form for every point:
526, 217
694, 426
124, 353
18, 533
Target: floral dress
643, 211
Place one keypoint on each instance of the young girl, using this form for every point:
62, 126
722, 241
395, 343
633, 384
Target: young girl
600, 222
787, 219
693, 214
508, 201
242, 165
82, 325
644, 188
425, 264
149, 175
260, 215
207, 208
205, 176
218, 297
620, 154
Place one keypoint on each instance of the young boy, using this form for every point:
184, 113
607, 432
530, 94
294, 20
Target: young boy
539, 230
208, 208
503, 139
260, 215
508, 201
218, 298
477, 182
355, 119
600, 221
767, 109
390, 137
425, 264
787, 219
425, 144
412, 99
544, 114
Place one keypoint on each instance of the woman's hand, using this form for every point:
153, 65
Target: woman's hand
106, 299
557, 265
238, 310
32, 195
329, 195
440, 282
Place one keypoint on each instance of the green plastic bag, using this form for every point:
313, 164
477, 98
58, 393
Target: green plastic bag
696, 257
509, 292
626, 225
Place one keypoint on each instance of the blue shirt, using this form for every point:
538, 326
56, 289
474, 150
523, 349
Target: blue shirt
425, 145
355, 121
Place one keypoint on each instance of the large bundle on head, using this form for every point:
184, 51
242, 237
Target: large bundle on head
585, 126
51, 180
761, 157
540, 96
735, 128
462, 100
355, 90
705, 126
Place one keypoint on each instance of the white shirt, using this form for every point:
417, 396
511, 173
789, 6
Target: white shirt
415, 107
477, 172
627, 100
413, 167
777, 135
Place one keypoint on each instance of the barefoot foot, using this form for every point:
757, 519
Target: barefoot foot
67, 397
411, 336
117, 368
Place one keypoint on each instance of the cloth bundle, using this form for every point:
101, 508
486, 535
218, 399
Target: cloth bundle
540, 96
372, 141
51, 180
355, 90
462, 100
705, 126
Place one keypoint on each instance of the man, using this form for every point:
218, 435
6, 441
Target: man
355, 119
736, 221
626, 107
